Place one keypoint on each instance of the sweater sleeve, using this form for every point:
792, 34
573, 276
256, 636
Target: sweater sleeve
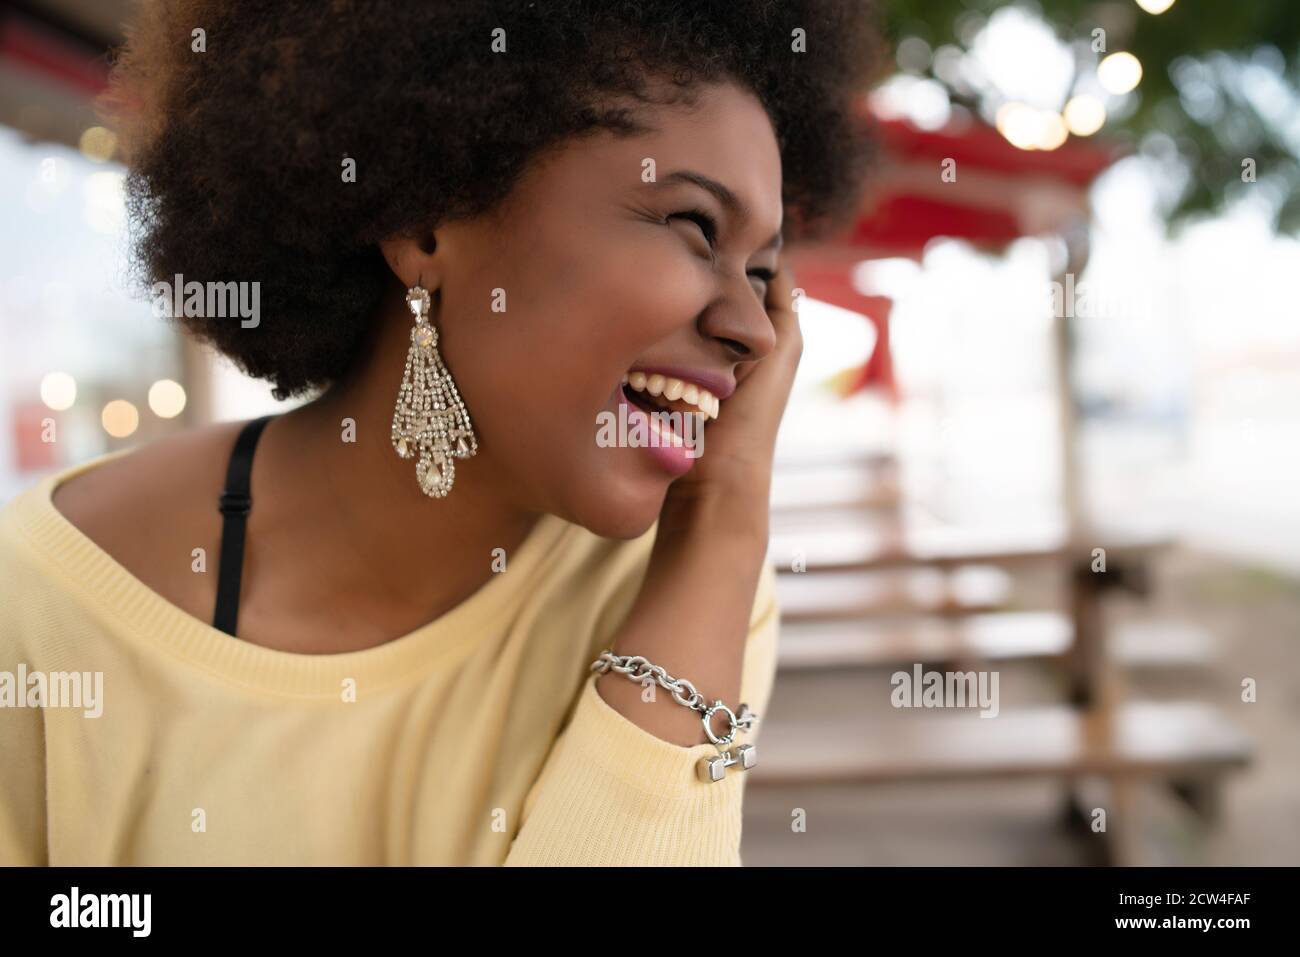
613, 794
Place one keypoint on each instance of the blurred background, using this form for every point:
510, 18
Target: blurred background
1045, 431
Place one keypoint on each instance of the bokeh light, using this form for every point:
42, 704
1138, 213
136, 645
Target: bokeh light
97, 144
58, 390
1119, 73
119, 418
1027, 128
1084, 115
166, 398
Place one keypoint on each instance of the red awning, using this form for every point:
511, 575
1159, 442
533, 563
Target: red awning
964, 182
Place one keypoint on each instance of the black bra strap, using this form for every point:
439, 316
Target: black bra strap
235, 504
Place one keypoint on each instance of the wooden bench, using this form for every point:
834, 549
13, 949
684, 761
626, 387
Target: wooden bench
1170, 740
814, 644
862, 460
999, 636
832, 490
838, 596
849, 548
1187, 745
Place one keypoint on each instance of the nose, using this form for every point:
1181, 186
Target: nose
739, 322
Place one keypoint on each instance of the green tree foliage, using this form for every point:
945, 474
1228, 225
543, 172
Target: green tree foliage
1220, 86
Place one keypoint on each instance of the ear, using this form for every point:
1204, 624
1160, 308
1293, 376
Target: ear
413, 259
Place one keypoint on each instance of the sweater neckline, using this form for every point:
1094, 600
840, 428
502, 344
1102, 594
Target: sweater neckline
149, 620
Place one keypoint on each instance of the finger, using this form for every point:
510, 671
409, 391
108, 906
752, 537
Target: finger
779, 303
780, 292
782, 306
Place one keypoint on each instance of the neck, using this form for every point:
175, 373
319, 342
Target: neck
378, 537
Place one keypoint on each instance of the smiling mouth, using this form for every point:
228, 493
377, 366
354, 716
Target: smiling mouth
660, 393
673, 410
660, 416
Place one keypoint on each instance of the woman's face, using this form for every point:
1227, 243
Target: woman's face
599, 265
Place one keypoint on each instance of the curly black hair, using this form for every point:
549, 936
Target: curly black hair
235, 137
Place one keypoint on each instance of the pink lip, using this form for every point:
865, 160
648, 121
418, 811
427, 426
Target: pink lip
671, 458
719, 383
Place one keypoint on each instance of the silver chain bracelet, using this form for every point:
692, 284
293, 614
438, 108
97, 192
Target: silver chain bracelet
640, 670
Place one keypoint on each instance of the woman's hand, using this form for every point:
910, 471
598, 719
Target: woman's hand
735, 470
692, 613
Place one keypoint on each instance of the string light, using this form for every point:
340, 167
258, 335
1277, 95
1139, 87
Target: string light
1119, 73
1027, 128
1084, 115
166, 398
97, 144
119, 418
58, 391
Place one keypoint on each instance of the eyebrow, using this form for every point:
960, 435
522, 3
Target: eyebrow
722, 193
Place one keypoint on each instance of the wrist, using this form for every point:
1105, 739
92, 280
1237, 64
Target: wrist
734, 515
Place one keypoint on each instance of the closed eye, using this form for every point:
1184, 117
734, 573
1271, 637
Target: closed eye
766, 276
708, 225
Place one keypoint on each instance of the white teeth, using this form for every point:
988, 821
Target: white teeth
673, 389
672, 437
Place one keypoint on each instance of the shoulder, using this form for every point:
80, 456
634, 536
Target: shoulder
145, 509
174, 476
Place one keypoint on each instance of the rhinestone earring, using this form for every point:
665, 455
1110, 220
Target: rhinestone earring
430, 419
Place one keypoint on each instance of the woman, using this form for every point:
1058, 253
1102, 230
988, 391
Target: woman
494, 247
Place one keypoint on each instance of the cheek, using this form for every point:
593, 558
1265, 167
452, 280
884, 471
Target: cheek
648, 297
581, 322
535, 376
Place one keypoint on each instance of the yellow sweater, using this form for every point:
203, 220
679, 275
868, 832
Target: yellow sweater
478, 739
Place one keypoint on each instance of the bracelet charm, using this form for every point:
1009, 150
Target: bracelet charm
638, 669
715, 769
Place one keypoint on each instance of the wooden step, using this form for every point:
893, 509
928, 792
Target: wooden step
850, 547
788, 503
833, 489
792, 462
1162, 644
999, 636
837, 596
1175, 740
980, 637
